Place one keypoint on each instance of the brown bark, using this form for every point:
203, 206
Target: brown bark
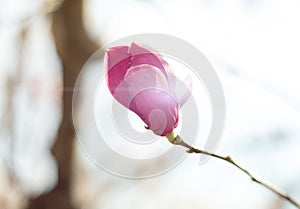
74, 48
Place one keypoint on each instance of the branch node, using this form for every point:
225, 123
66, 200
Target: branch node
254, 179
229, 159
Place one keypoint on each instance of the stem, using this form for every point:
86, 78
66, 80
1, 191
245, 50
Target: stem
179, 141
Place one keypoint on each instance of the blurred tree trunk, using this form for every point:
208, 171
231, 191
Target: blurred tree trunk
74, 48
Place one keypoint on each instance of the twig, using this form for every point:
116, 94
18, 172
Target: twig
179, 141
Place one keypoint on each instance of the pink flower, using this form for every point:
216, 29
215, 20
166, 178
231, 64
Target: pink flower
142, 81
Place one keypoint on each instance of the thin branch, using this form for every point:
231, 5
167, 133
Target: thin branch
179, 141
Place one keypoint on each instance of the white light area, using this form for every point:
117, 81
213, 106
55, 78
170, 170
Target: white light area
16, 11
123, 19
36, 102
33, 163
254, 117
136, 123
261, 42
256, 109
35, 176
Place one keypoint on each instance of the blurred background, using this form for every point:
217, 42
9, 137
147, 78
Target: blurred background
254, 47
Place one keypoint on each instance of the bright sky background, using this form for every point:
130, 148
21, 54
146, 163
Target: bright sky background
253, 45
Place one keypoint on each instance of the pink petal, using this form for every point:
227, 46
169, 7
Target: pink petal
182, 90
117, 63
141, 55
158, 121
142, 77
138, 79
158, 109
143, 82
